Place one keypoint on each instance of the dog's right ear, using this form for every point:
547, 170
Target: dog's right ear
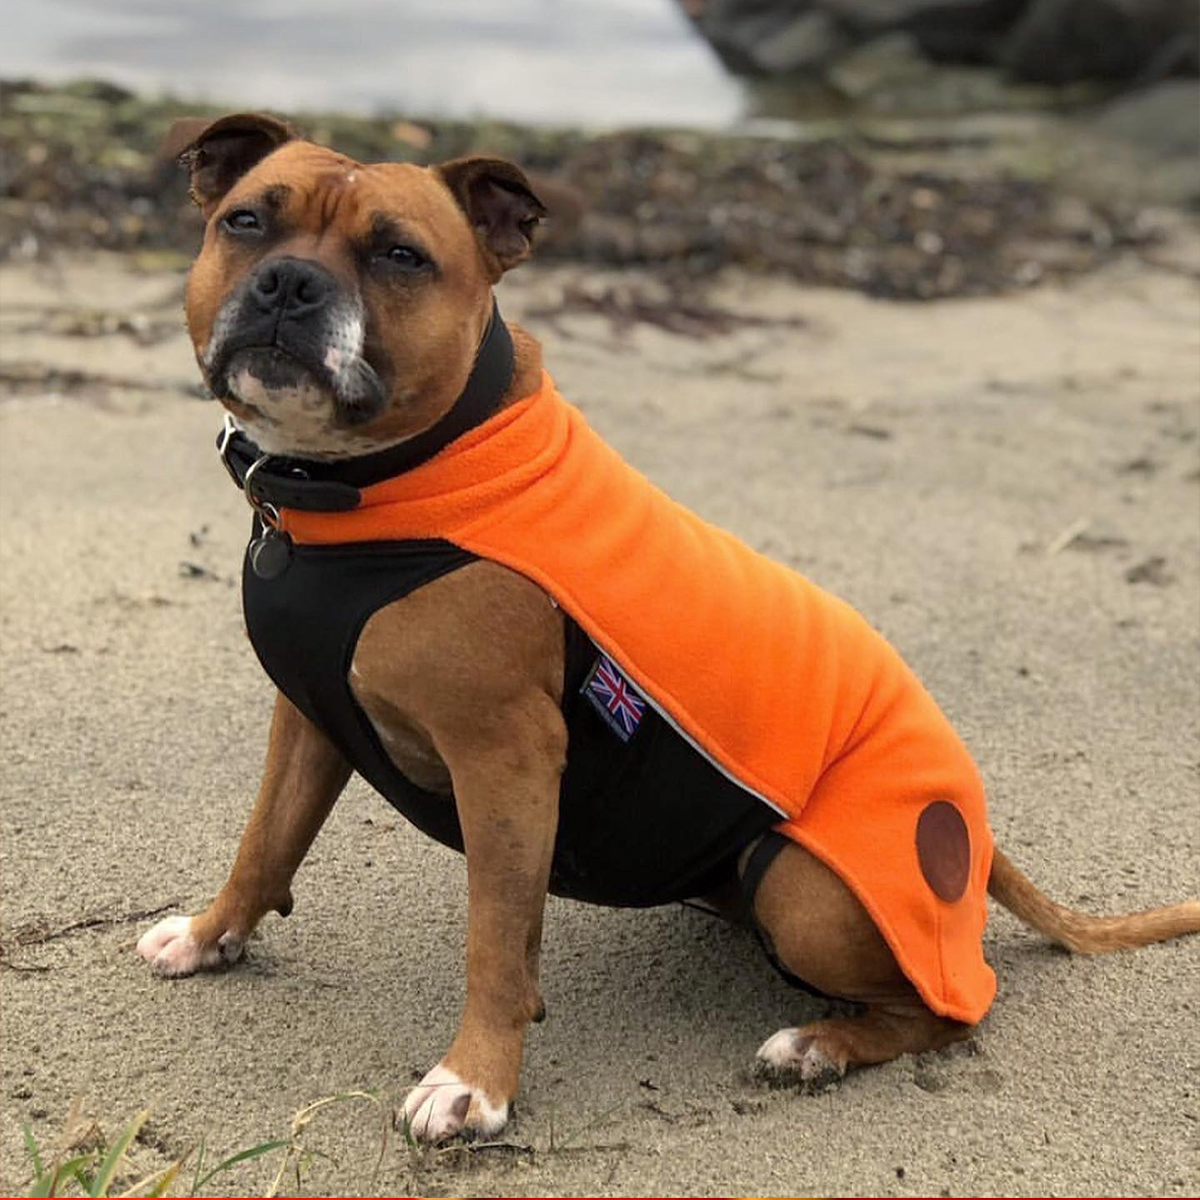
217, 153
499, 202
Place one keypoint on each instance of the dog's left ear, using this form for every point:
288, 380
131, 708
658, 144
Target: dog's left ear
218, 153
499, 203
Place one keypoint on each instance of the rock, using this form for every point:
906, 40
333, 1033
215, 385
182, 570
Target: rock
961, 30
1164, 119
884, 207
808, 42
779, 37
1056, 41
1047, 41
891, 61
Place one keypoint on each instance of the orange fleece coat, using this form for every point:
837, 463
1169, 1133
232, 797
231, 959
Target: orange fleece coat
783, 686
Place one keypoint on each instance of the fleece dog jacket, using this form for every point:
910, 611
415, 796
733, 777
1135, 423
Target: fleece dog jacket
781, 689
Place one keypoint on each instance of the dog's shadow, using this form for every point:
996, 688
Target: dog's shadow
665, 977
621, 986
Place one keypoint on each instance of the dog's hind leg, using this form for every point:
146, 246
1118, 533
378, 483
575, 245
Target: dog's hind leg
817, 930
303, 777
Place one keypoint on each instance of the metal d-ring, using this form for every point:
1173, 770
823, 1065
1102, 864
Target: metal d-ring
267, 512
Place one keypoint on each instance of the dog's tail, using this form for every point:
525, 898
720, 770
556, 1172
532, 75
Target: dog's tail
1079, 932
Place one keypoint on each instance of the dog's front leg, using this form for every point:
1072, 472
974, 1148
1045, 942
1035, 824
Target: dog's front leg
303, 776
506, 787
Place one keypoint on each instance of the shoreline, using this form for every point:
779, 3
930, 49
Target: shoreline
903, 209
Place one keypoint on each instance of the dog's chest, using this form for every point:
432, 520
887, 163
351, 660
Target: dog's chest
410, 750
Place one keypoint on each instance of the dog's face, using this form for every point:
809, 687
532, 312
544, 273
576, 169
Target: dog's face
335, 306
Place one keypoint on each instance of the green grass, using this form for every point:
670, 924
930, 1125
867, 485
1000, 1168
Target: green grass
83, 1163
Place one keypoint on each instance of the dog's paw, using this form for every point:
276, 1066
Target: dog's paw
794, 1056
441, 1106
171, 948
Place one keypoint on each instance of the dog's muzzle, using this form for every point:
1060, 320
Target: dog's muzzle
291, 323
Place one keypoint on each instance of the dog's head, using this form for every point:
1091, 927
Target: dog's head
336, 306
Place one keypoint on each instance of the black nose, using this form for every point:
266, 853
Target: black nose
292, 287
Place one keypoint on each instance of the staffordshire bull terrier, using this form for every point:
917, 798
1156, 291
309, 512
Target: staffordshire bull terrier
541, 660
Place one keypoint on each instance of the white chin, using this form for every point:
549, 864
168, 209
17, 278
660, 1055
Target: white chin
305, 395
295, 421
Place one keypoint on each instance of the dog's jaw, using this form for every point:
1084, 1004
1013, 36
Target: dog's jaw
294, 408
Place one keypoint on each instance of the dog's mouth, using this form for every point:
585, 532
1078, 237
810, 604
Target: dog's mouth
275, 378
272, 370
287, 345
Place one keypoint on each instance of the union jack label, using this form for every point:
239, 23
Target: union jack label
614, 698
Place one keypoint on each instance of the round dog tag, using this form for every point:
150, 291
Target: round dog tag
270, 554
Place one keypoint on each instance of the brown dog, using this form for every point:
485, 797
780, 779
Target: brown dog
338, 310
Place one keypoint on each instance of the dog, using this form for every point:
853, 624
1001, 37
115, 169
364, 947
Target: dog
464, 595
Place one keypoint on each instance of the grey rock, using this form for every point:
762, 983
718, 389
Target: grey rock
893, 60
1056, 41
769, 37
1046, 41
809, 42
1164, 120
953, 29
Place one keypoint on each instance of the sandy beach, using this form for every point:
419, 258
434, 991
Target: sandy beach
1007, 486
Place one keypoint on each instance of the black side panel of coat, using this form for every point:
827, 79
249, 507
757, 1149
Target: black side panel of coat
304, 626
642, 821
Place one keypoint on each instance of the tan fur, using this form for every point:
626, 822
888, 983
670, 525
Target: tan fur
1080, 932
835, 947
474, 662
433, 325
463, 678
303, 776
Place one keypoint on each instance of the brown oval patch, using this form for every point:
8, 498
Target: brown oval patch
944, 849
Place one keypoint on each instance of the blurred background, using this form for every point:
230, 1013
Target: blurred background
909, 148
547, 61
903, 292
606, 62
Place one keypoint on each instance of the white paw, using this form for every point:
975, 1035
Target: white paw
171, 949
441, 1105
797, 1055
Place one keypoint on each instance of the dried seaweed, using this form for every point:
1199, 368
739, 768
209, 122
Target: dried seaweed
80, 170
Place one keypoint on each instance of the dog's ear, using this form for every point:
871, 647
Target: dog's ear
217, 153
499, 203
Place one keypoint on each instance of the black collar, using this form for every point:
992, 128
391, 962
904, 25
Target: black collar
333, 485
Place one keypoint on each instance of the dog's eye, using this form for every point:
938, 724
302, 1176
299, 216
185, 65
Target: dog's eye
241, 220
407, 257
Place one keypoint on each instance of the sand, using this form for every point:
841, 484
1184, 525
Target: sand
1007, 487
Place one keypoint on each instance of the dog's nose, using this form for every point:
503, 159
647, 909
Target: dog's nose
292, 287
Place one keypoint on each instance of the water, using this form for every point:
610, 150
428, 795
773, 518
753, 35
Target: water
591, 62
